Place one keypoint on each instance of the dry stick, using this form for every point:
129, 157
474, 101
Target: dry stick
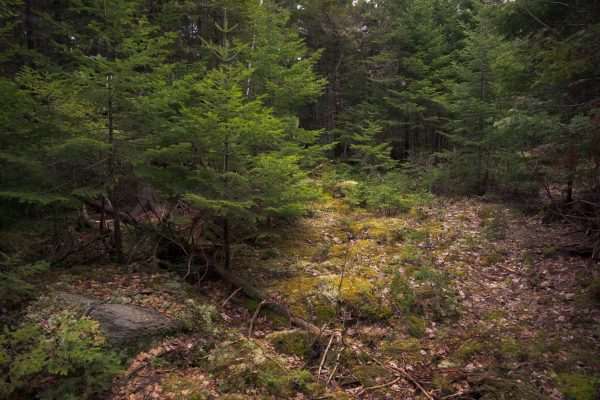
231, 296
379, 386
189, 264
272, 359
262, 303
325, 354
403, 372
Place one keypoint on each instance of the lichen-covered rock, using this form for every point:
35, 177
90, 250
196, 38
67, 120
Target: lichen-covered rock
123, 324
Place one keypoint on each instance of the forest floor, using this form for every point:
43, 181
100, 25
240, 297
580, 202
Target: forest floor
457, 299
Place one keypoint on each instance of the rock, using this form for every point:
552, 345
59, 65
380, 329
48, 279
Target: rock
124, 325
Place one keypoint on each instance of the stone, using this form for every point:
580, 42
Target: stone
124, 324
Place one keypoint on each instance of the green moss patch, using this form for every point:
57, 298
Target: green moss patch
576, 386
293, 342
241, 364
317, 297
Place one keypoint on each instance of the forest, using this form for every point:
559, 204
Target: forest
308, 199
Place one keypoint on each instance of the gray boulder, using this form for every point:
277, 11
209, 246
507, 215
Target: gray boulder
124, 325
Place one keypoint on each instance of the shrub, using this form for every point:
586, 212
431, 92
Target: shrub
13, 272
64, 360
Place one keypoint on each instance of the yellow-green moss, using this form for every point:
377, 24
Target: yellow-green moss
493, 257
185, 387
510, 348
494, 315
292, 342
576, 386
382, 230
370, 374
316, 297
548, 251
241, 364
442, 384
468, 350
415, 326
395, 348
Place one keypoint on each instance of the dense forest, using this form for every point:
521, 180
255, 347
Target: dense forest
317, 199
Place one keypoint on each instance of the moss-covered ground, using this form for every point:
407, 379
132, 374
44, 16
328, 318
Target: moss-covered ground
457, 299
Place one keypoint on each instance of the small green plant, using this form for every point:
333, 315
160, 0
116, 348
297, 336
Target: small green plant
431, 294
493, 257
13, 274
415, 326
64, 360
468, 350
495, 227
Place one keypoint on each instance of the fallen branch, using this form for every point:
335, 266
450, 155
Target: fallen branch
231, 296
325, 354
262, 303
256, 294
405, 374
378, 386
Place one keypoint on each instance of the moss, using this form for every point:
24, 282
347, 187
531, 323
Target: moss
382, 230
392, 349
370, 374
494, 315
594, 290
468, 350
292, 342
185, 387
417, 235
576, 386
415, 327
442, 384
241, 364
494, 257
548, 251
410, 254
511, 349
316, 297
489, 386
496, 227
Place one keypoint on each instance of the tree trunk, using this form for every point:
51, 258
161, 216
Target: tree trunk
112, 167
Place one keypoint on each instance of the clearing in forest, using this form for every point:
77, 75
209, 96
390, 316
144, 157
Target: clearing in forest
454, 299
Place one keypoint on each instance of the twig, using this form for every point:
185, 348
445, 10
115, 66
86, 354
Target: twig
451, 396
272, 359
260, 305
406, 375
379, 386
135, 371
189, 265
325, 354
231, 296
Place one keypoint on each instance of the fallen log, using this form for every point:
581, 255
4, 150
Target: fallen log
256, 294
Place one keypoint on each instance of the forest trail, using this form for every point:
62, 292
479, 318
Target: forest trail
469, 299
